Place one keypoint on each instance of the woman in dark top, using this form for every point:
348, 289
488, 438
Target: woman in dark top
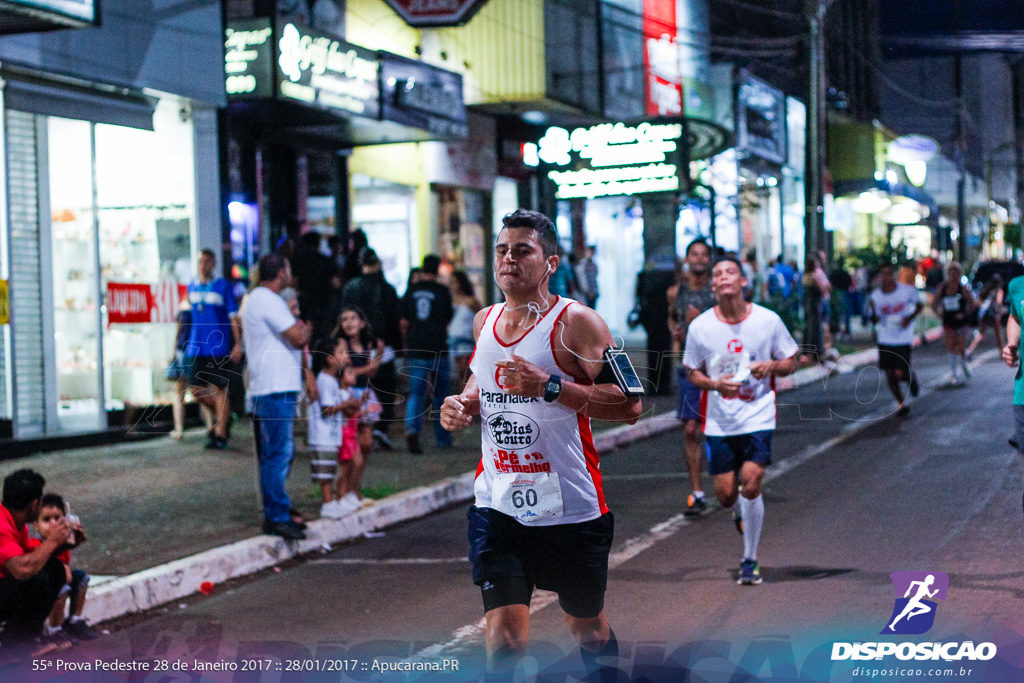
954, 302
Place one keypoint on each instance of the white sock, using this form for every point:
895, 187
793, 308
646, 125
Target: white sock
75, 619
954, 364
50, 630
698, 494
752, 512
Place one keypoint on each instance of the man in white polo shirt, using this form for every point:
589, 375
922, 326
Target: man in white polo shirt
273, 344
733, 351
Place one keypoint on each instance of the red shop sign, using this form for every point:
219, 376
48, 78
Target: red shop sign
426, 13
128, 303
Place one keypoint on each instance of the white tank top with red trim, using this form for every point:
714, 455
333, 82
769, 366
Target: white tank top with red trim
538, 463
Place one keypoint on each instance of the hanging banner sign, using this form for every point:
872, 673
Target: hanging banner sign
434, 13
5, 304
614, 159
134, 304
662, 59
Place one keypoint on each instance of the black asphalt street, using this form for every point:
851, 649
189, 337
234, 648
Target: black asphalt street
855, 494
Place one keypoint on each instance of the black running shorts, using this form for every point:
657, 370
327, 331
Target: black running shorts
510, 559
894, 358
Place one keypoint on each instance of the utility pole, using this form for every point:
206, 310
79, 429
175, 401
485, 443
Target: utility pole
959, 154
814, 198
814, 166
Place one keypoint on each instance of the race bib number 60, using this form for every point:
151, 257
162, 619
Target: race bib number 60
527, 497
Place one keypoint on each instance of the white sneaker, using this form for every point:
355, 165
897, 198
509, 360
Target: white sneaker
332, 510
350, 503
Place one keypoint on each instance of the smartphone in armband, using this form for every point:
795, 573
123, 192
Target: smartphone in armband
625, 375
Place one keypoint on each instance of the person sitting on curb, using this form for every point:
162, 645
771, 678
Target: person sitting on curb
30, 578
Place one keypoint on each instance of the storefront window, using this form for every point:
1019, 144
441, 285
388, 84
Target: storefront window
386, 212
136, 226
144, 189
75, 287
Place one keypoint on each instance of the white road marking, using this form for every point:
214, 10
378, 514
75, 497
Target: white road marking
392, 561
473, 634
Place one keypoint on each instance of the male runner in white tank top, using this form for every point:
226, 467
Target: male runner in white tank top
733, 351
539, 518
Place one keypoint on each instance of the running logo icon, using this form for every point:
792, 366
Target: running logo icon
916, 595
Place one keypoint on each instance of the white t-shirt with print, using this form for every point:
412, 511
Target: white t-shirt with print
718, 348
324, 433
891, 309
275, 366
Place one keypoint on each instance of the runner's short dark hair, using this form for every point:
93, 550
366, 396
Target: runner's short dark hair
208, 252
534, 220
731, 258
22, 488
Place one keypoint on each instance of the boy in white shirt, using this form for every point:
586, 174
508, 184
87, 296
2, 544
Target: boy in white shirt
732, 351
894, 306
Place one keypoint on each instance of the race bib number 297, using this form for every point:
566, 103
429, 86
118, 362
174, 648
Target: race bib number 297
527, 497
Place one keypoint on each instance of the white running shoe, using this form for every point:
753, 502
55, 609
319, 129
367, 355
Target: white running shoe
350, 503
331, 510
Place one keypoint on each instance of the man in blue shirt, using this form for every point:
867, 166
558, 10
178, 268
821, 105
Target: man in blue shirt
214, 344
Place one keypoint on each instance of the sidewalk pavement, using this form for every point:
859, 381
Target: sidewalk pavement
164, 516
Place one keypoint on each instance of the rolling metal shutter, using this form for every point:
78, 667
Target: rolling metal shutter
26, 285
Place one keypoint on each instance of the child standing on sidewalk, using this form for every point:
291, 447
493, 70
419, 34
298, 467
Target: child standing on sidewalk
366, 353
349, 453
326, 419
75, 627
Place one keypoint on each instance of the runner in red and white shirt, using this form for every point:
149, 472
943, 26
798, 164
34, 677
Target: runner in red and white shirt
539, 518
894, 306
733, 351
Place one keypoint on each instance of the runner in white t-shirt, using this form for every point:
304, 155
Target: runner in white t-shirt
894, 306
733, 351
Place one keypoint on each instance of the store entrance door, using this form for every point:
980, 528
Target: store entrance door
76, 289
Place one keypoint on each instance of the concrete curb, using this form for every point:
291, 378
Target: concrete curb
181, 578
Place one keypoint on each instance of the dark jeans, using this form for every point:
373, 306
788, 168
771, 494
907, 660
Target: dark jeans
275, 449
421, 371
24, 605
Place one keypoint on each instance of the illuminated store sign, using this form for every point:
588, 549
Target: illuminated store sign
327, 73
83, 10
614, 159
248, 54
268, 63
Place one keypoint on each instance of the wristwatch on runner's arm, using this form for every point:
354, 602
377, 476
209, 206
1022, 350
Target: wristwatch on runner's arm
552, 388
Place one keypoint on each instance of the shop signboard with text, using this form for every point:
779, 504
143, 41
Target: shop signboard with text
327, 73
423, 96
435, 13
249, 59
612, 159
662, 59
131, 303
760, 119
